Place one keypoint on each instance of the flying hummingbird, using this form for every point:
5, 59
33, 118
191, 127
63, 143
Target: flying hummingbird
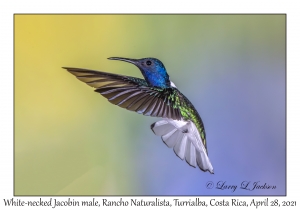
181, 127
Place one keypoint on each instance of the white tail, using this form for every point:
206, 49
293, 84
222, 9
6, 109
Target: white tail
185, 140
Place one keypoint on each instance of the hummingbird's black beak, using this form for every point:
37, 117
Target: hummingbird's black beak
129, 60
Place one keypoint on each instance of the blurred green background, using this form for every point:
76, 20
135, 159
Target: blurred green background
70, 140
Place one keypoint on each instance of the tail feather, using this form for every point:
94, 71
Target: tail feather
185, 140
190, 154
162, 127
171, 138
179, 148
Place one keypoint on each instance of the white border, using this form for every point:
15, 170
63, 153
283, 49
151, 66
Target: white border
8, 8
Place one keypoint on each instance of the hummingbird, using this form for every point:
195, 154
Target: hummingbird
180, 128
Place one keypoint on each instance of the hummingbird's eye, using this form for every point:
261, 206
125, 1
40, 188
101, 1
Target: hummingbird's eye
148, 63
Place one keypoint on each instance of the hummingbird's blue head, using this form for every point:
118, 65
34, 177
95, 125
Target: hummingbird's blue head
152, 69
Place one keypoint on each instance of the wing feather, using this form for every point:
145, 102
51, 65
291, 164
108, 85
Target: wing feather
130, 93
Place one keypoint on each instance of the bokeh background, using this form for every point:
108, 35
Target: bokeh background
70, 140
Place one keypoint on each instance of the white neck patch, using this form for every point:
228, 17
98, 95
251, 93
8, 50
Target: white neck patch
172, 84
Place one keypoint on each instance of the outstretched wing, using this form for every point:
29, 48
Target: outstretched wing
131, 93
185, 140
